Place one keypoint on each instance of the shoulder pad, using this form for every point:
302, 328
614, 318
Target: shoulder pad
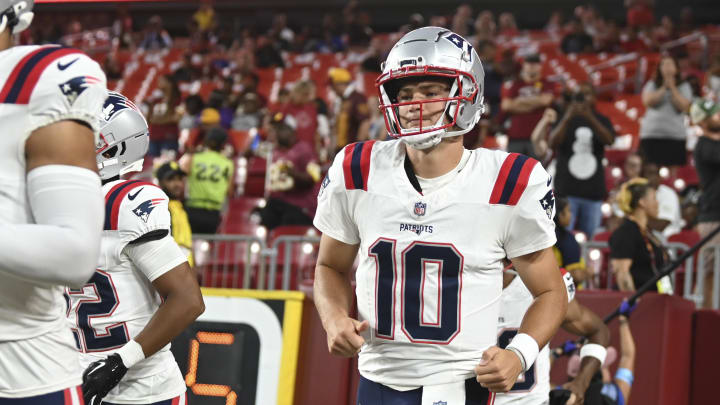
356, 165
129, 205
512, 179
61, 83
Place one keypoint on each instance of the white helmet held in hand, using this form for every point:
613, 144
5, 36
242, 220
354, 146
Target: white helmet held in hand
16, 14
438, 53
124, 137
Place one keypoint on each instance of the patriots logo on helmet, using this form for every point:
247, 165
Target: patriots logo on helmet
144, 209
115, 103
74, 87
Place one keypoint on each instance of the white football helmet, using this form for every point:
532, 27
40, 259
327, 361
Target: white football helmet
437, 52
16, 14
124, 137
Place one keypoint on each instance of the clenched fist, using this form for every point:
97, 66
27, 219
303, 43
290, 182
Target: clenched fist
498, 369
343, 336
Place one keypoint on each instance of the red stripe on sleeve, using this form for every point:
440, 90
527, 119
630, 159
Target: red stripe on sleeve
365, 162
67, 397
34, 76
502, 178
176, 401
81, 400
522, 181
119, 199
347, 170
14, 74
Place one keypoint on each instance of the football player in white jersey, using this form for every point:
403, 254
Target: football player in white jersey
51, 209
533, 387
143, 293
432, 223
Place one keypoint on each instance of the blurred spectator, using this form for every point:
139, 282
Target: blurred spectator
487, 51
462, 20
280, 33
632, 168
303, 109
555, 22
205, 17
632, 41
209, 119
350, 107
665, 31
635, 255
485, 28
540, 137
249, 82
171, 180
507, 25
662, 130
210, 177
293, 176
567, 249
576, 40
247, 114
163, 117
374, 126
155, 35
112, 69
706, 114
579, 141
639, 13
712, 80
219, 99
122, 27
187, 71
191, 112
669, 220
267, 54
524, 100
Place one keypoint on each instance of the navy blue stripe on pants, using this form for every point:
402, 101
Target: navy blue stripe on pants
372, 393
165, 402
53, 398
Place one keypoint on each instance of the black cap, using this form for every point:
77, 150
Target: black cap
217, 136
167, 170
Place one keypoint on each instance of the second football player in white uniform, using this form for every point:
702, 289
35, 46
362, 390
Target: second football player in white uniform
143, 293
533, 387
432, 223
50, 208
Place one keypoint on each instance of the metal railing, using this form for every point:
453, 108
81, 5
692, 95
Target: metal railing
687, 39
618, 62
674, 250
246, 261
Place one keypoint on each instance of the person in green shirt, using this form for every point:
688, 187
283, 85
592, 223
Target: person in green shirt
210, 176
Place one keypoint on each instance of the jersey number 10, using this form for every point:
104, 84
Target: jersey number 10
414, 260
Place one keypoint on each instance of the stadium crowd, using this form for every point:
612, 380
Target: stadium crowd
530, 109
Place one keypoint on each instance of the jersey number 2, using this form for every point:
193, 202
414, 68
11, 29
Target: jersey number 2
412, 277
103, 306
527, 380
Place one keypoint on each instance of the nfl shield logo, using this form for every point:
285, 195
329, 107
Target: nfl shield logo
420, 210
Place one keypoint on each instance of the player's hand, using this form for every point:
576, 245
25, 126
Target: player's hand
343, 336
100, 377
626, 308
578, 392
498, 369
549, 115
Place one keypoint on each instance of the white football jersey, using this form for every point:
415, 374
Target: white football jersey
120, 299
430, 266
533, 387
39, 85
